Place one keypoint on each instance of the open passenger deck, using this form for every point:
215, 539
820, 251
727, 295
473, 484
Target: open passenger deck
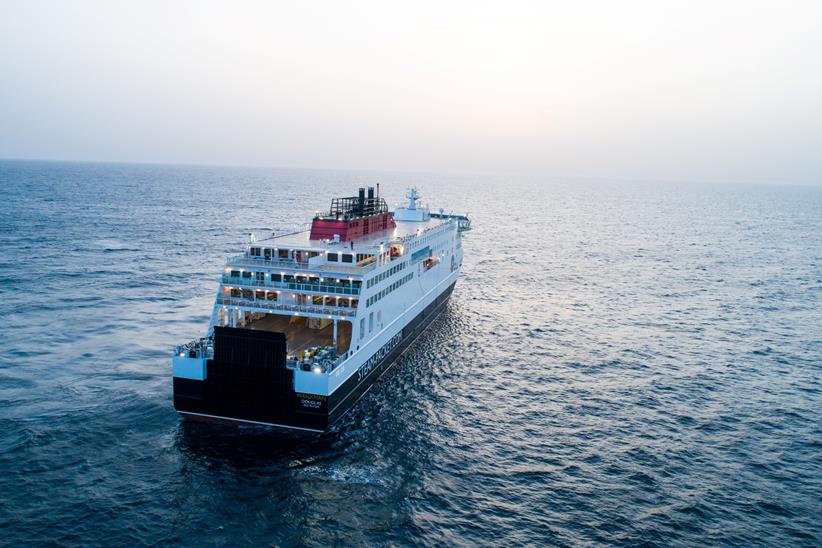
300, 336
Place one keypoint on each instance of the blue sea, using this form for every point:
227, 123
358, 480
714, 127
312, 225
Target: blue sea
621, 363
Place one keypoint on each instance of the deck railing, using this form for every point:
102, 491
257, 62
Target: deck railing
276, 306
294, 286
326, 365
200, 348
262, 262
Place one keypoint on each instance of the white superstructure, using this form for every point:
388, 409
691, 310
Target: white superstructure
343, 301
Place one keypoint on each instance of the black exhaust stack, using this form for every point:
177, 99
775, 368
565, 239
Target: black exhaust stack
361, 200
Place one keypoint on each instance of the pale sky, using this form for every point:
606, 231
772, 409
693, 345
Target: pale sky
703, 91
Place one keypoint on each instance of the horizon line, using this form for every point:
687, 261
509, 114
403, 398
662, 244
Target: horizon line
582, 177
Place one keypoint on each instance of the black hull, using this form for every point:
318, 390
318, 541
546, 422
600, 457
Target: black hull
248, 383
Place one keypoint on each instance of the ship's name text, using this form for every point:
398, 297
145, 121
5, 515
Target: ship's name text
378, 356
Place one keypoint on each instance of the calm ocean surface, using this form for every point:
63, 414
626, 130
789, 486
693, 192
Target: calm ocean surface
619, 364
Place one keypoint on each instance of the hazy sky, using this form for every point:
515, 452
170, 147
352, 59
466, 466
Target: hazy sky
707, 91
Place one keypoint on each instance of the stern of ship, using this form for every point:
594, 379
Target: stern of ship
242, 376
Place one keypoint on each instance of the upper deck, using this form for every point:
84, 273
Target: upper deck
357, 235
297, 251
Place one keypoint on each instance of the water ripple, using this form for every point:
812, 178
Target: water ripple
632, 364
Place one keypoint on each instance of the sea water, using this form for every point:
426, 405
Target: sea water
620, 362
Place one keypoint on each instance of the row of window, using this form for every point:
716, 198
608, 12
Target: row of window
322, 288
268, 253
297, 278
389, 289
249, 294
340, 257
342, 302
316, 300
383, 275
346, 257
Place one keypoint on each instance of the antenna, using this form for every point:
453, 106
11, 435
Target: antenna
412, 197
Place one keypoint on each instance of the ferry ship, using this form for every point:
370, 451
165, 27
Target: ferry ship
304, 323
